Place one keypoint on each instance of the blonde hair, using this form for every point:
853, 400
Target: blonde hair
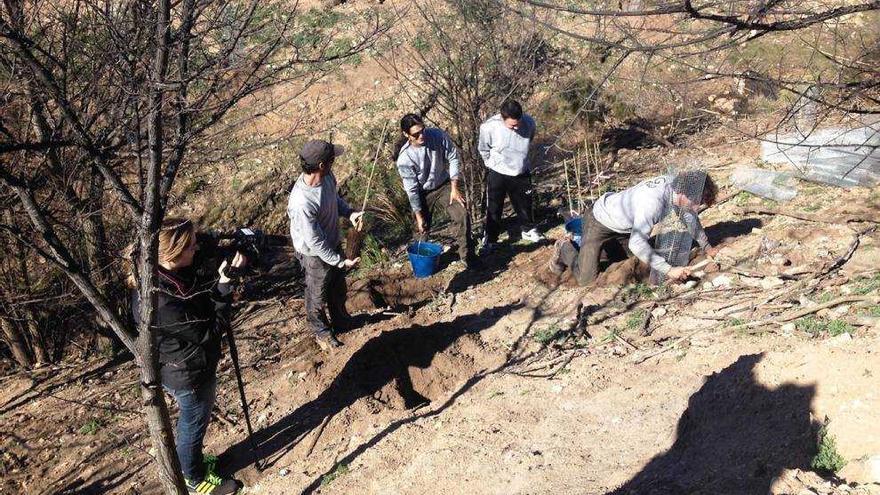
175, 236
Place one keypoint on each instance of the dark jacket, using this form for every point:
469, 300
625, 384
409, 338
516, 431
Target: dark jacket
191, 316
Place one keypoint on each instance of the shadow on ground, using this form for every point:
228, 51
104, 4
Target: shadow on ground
736, 436
384, 359
491, 265
723, 231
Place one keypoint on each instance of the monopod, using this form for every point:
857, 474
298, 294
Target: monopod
233, 354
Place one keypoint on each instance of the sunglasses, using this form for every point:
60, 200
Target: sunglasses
417, 134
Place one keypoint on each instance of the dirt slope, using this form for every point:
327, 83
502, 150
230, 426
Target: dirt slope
483, 383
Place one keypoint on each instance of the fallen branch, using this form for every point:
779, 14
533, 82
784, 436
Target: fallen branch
318, 434
830, 304
625, 342
800, 215
668, 347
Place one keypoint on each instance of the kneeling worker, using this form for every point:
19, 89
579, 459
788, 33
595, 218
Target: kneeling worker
633, 213
314, 209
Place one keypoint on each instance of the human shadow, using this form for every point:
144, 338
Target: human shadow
736, 436
384, 359
490, 266
727, 229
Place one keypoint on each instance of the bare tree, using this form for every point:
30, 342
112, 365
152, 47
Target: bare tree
107, 102
458, 73
823, 57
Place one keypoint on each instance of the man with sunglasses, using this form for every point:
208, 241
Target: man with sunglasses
428, 164
504, 144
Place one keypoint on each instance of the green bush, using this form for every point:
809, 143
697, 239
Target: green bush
341, 469
827, 460
547, 335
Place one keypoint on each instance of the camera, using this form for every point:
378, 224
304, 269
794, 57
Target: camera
252, 243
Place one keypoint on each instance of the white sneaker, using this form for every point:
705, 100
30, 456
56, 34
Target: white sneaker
487, 248
533, 236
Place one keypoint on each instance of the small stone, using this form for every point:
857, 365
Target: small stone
658, 312
722, 281
872, 469
840, 339
788, 328
284, 472
556, 389
842, 309
771, 282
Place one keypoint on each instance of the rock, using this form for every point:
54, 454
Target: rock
841, 310
708, 286
771, 282
872, 469
556, 389
788, 328
722, 281
840, 339
659, 312
284, 472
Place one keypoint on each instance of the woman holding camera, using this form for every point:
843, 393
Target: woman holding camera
191, 315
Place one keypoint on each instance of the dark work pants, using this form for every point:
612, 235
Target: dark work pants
195, 413
325, 290
519, 190
584, 264
461, 222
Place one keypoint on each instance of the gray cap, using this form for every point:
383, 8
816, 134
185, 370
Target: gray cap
319, 151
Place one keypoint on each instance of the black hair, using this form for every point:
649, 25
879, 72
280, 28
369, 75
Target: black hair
511, 109
409, 120
683, 182
308, 168
406, 123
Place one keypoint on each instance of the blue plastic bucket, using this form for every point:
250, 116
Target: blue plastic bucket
575, 228
424, 258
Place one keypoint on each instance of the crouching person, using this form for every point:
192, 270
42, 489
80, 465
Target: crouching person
632, 214
314, 209
191, 316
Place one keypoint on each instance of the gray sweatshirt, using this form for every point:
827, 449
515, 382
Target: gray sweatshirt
636, 210
504, 150
425, 167
314, 218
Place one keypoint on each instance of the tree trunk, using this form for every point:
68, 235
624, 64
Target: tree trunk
16, 342
38, 343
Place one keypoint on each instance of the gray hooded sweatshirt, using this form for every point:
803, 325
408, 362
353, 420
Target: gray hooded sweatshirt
504, 150
314, 218
424, 168
636, 210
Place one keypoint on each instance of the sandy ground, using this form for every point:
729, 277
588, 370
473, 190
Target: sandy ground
451, 385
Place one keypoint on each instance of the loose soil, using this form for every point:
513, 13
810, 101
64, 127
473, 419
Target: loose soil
482, 382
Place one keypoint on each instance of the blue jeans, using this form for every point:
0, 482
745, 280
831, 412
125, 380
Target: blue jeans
195, 413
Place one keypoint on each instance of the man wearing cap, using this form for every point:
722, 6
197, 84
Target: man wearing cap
314, 209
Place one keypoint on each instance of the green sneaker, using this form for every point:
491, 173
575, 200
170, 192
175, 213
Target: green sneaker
210, 462
212, 485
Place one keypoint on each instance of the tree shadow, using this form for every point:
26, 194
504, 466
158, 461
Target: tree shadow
384, 359
725, 230
32, 393
736, 436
